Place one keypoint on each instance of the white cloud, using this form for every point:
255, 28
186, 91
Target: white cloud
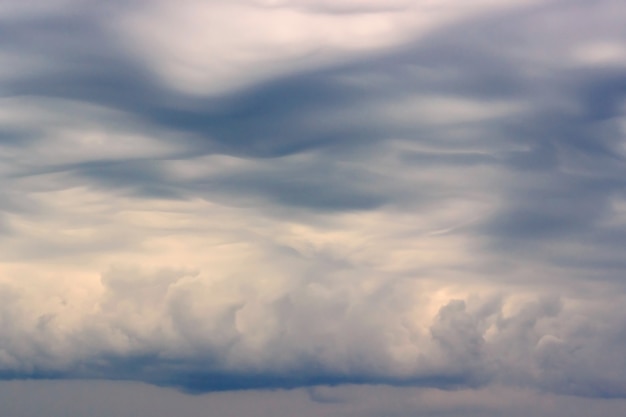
230, 45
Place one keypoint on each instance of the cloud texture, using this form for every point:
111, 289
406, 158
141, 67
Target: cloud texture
300, 193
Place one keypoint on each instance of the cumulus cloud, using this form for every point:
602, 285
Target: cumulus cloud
307, 194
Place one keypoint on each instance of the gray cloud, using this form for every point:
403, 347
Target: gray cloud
447, 213
91, 398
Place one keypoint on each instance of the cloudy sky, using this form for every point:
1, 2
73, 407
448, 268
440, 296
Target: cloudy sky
343, 208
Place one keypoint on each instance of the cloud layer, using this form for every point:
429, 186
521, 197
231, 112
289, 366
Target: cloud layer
303, 193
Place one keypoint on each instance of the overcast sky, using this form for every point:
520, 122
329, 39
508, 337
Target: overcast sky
312, 208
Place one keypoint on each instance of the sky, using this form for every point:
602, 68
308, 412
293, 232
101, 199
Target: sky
343, 208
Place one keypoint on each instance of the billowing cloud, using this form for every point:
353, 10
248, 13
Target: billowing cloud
308, 194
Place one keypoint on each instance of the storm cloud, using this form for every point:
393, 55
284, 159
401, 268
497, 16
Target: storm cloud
313, 194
